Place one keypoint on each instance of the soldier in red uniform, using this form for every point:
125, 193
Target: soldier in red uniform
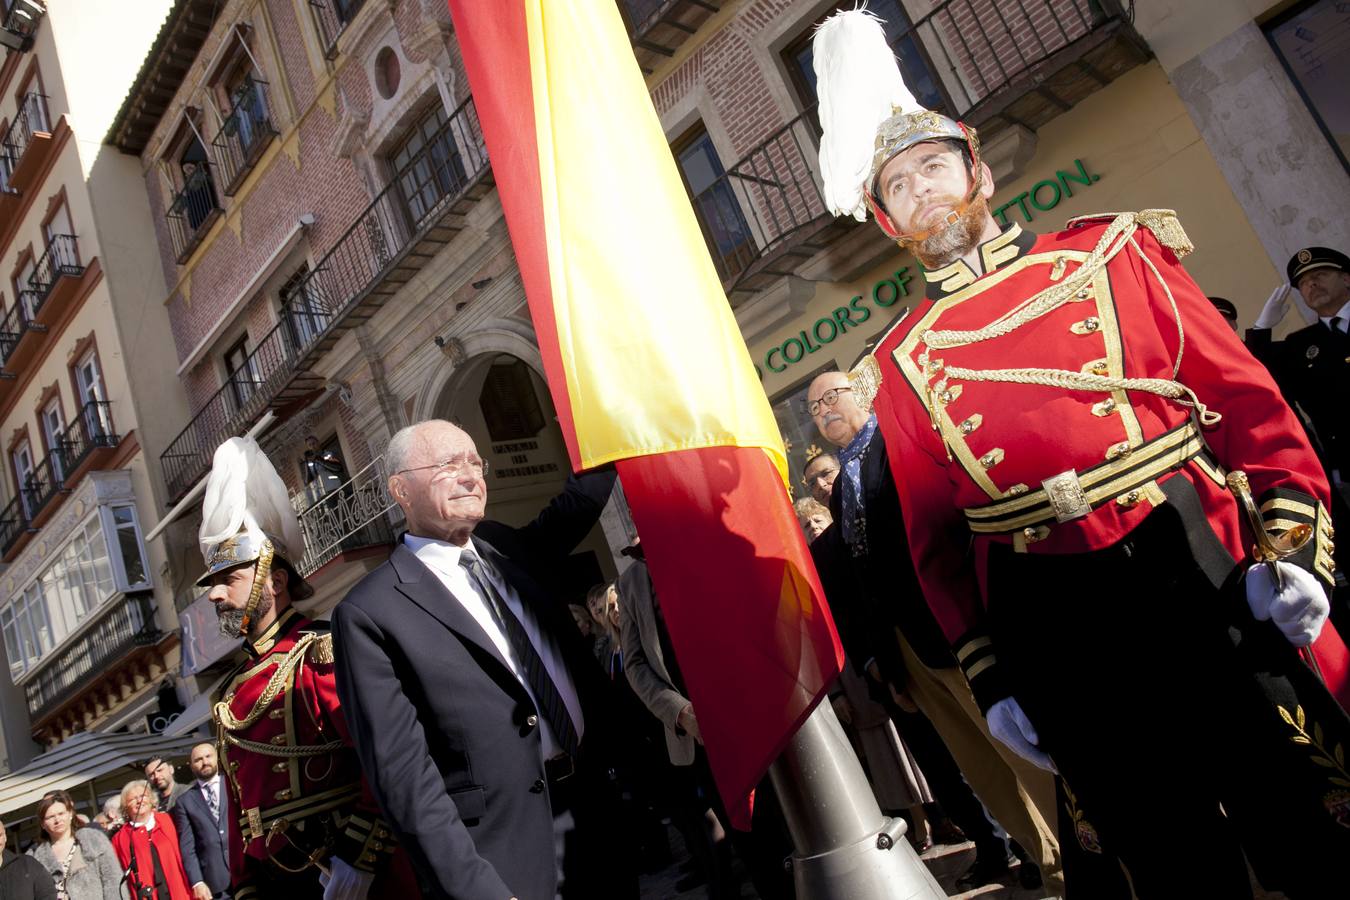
307, 825
1064, 416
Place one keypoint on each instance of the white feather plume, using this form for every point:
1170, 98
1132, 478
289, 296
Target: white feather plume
243, 492
859, 86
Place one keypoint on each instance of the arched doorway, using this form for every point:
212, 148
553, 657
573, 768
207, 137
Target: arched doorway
502, 401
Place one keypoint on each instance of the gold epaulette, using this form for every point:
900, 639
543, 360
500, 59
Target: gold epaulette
865, 379
1164, 224
321, 650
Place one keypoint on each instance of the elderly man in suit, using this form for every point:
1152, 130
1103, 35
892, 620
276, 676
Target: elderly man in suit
202, 817
476, 707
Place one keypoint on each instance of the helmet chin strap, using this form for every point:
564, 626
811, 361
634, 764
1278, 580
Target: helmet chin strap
261, 573
951, 218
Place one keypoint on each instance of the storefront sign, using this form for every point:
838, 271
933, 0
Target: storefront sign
1046, 195
884, 294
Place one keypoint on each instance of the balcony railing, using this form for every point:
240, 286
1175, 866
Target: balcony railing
764, 199
18, 321
657, 28
244, 134
123, 625
349, 517
41, 486
193, 210
91, 430
332, 18
367, 253
30, 118
61, 259
13, 525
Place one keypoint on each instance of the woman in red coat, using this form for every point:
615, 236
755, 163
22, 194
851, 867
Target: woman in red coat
148, 846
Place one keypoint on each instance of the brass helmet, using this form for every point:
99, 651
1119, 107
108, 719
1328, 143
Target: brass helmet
868, 115
247, 517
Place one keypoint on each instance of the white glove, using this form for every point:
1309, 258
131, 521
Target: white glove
1299, 610
1276, 308
346, 883
1010, 725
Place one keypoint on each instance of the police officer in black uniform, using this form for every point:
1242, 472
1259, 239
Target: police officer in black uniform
1312, 368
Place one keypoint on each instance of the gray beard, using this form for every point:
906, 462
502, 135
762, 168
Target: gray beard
231, 621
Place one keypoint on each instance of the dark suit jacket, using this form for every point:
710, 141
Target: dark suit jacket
1312, 368
872, 595
440, 722
203, 841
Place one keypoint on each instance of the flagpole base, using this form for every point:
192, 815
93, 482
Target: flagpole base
845, 848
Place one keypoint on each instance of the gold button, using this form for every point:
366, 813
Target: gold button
1130, 499
1105, 408
367, 858
381, 833
1119, 451
1087, 326
1057, 270
283, 794
1084, 294
376, 846
1038, 533
1096, 367
277, 713
279, 740
1015, 490
279, 766
933, 365
992, 458
971, 423
950, 394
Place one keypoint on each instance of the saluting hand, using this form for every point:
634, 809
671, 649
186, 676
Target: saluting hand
1276, 308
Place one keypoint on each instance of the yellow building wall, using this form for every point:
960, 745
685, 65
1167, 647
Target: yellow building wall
1137, 138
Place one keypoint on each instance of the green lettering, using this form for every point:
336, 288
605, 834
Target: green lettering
863, 312
1021, 201
1082, 177
834, 330
894, 290
841, 319
1036, 192
787, 348
903, 279
768, 360
810, 347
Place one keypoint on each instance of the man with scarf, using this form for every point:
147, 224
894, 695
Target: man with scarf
872, 588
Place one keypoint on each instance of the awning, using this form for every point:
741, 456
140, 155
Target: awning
103, 761
198, 712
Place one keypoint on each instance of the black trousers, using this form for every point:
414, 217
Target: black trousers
1186, 732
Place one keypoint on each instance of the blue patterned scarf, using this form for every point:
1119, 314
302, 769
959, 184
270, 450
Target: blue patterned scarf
850, 460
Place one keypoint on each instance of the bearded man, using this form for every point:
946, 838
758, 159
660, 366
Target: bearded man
305, 823
1063, 416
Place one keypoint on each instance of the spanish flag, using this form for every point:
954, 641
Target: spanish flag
648, 369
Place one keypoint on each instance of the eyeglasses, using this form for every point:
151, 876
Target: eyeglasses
454, 466
829, 398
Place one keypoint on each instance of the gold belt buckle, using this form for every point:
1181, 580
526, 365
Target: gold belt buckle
1067, 499
255, 829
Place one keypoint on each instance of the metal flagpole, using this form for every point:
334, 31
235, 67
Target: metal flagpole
846, 849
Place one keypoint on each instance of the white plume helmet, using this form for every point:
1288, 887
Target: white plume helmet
860, 86
245, 494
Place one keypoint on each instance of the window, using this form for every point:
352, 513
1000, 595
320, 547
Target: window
715, 203
54, 436
23, 474
913, 64
509, 404
197, 198
302, 307
241, 372
92, 397
81, 577
23, 289
1310, 41
427, 164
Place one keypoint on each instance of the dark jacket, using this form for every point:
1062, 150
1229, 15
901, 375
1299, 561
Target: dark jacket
1312, 368
872, 594
203, 841
23, 878
445, 731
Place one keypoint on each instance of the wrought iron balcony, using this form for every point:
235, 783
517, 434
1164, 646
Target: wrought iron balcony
1006, 62
657, 28
13, 525
193, 210
244, 134
91, 430
350, 517
60, 260
31, 123
378, 253
42, 486
15, 330
123, 625
332, 18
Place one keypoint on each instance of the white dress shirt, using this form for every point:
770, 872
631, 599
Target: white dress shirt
1343, 314
442, 559
207, 786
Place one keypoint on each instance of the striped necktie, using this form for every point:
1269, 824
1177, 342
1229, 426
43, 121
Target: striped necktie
541, 685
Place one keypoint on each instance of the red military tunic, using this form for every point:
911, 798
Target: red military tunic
299, 794
971, 454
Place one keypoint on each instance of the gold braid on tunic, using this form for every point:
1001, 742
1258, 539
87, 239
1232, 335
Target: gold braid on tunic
227, 722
